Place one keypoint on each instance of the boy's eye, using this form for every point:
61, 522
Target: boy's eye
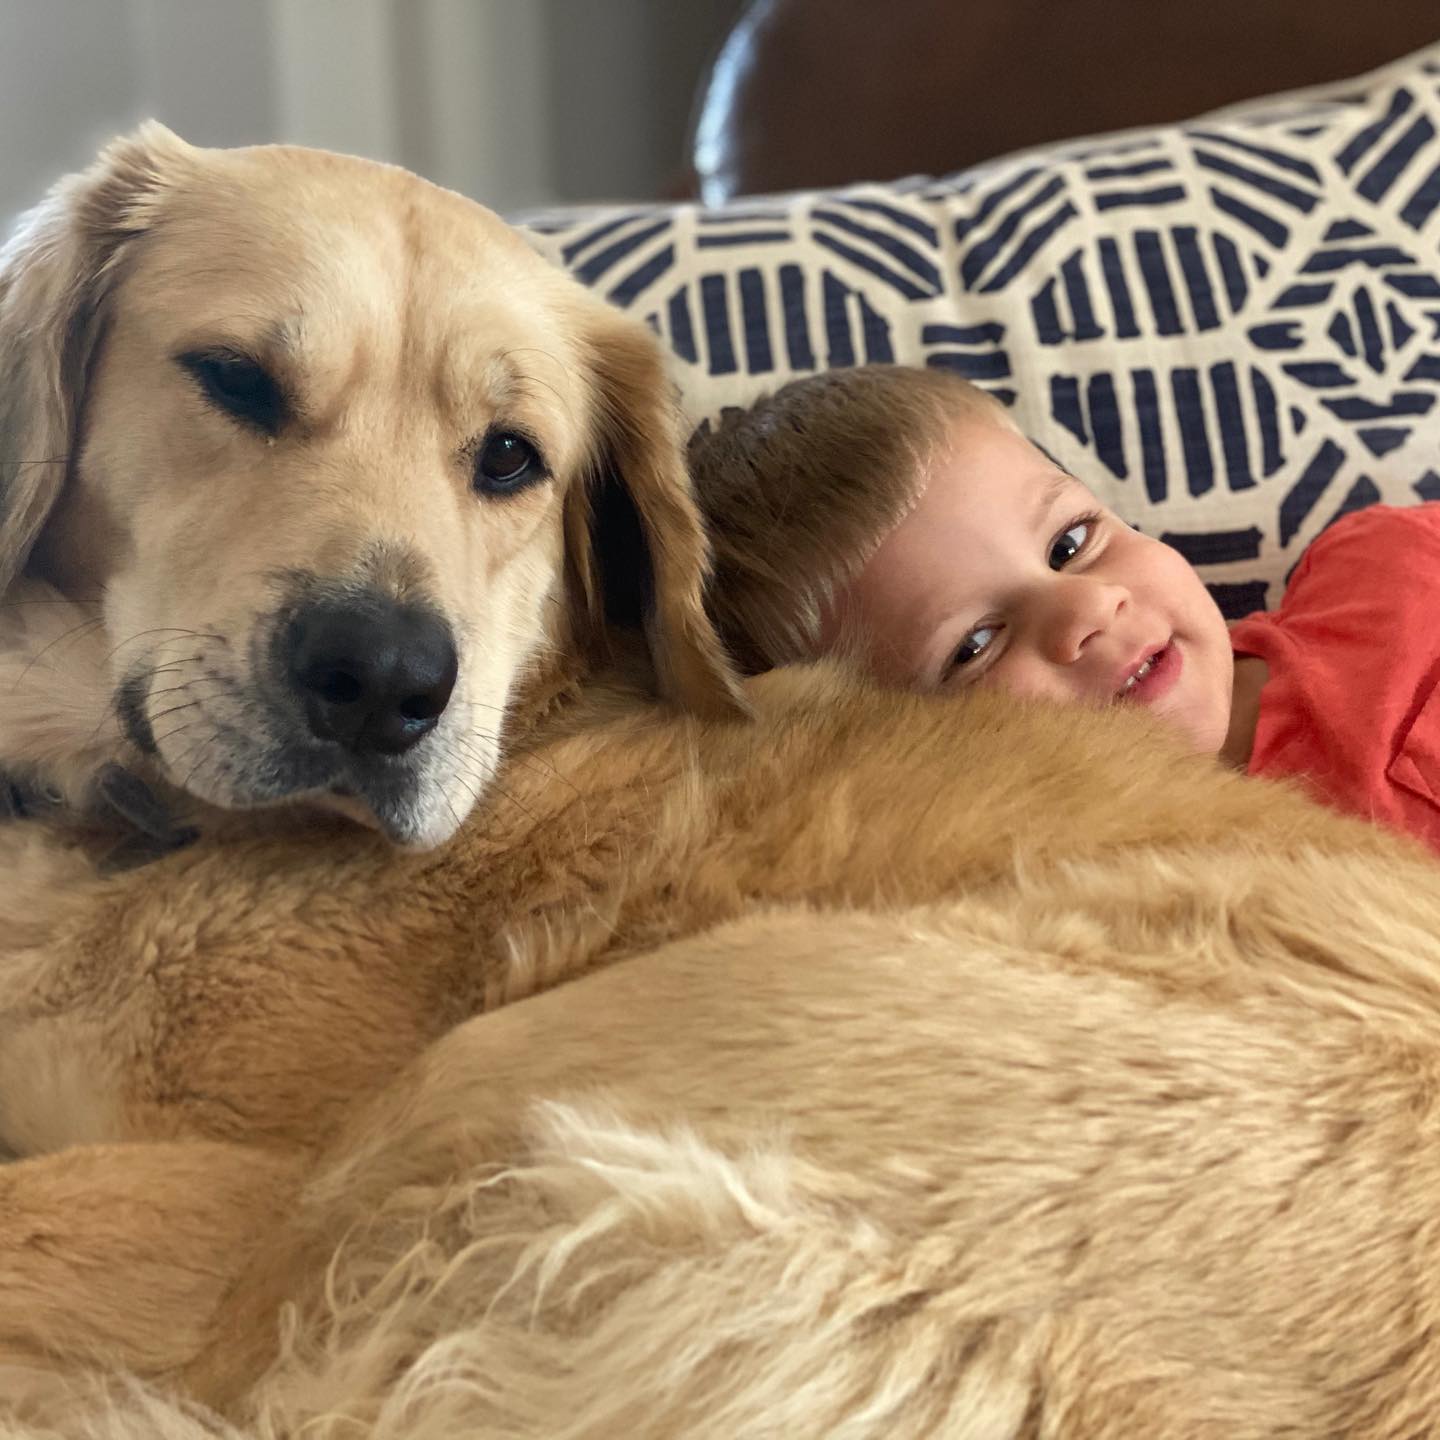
971, 648
1069, 544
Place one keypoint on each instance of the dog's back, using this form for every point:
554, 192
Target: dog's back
1001, 1071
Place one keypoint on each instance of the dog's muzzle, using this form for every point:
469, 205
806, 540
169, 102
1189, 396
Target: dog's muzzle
342, 689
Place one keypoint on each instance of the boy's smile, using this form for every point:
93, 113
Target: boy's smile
1009, 573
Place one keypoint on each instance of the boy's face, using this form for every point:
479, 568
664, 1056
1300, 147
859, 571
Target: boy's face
1009, 574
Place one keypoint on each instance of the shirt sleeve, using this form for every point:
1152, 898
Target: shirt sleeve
1353, 656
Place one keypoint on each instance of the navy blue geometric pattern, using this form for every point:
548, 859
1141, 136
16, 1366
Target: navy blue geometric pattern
1230, 329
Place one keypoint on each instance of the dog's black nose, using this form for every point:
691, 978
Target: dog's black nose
372, 675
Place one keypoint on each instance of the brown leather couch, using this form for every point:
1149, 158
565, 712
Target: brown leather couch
821, 92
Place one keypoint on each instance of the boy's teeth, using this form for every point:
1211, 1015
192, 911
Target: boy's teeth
1140, 674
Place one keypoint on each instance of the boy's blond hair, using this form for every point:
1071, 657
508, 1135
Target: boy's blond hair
800, 489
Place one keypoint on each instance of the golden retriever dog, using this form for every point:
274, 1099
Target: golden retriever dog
889, 1066
293, 464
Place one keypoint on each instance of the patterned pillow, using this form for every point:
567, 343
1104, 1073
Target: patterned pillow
1230, 328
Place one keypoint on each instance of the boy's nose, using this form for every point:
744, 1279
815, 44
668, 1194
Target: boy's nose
1082, 609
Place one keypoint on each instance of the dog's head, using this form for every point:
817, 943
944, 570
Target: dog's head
315, 437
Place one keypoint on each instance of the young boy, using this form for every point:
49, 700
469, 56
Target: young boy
899, 515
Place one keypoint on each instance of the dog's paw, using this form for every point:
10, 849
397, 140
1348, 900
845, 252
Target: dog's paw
12, 800
26, 799
152, 830
122, 819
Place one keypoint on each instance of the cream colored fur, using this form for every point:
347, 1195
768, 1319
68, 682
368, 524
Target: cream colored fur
57, 726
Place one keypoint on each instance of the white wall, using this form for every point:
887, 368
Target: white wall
518, 102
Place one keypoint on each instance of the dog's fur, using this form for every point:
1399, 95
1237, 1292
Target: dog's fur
154, 550
973, 1069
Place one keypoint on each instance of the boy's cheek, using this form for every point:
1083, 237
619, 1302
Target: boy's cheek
1028, 678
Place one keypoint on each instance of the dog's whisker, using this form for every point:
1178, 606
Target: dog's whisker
522, 755
486, 775
167, 667
468, 749
25, 604
454, 814
221, 686
174, 631
504, 794
111, 709
533, 761
73, 634
175, 709
473, 785
180, 729
175, 731
205, 747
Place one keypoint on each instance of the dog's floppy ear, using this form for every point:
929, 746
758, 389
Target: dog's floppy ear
55, 272
639, 448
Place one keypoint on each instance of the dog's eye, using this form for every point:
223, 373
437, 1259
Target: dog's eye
239, 387
507, 462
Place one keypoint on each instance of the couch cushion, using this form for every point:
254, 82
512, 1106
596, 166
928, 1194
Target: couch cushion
1230, 328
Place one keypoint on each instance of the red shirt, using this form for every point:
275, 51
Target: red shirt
1351, 703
